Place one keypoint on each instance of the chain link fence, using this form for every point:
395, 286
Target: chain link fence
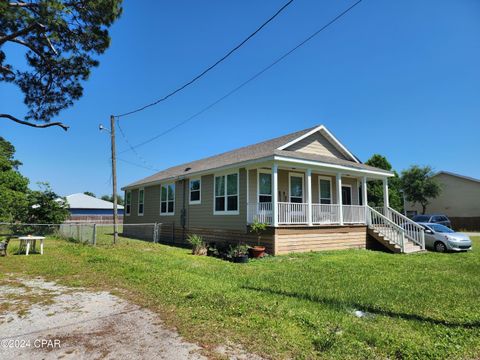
86, 233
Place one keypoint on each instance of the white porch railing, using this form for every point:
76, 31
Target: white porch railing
261, 212
413, 231
386, 227
353, 214
292, 213
325, 214
297, 213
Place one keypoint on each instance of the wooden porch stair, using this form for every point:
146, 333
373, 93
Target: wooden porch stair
410, 247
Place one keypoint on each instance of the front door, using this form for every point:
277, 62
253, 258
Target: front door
346, 195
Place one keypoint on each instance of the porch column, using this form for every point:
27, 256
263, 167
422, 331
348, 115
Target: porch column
309, 197
386, 203
364, 191
275, 194
339, 198
365, 198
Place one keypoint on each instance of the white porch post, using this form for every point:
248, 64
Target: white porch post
365, 198
364, 191
309, 197
339, 198
275, 194
386, 204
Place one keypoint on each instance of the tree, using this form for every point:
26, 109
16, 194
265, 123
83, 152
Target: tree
20, 204
45, 206
60, 38
110, 198
375, 187
419, 185
13, 186
89, 193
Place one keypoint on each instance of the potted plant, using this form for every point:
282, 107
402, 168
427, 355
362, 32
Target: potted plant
257, 228
198, 245
239, 254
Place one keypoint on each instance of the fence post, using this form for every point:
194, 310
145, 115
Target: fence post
94, 234
155, 232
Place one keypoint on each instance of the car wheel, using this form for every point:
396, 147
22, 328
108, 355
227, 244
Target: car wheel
440, 247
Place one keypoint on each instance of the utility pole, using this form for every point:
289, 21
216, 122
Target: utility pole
114, 179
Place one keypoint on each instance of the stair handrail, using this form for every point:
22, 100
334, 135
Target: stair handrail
413, 231
394, 232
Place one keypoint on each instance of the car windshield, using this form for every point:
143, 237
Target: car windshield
441, 228
421, 218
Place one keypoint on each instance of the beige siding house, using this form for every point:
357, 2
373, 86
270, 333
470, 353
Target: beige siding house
459, 200
307, 186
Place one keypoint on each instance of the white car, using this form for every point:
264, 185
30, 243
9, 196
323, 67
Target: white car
441, 238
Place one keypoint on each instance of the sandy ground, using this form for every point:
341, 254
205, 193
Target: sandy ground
43, 320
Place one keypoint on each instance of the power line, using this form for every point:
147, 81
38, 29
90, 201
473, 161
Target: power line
146, 164
135, 164
210, 67
231, 92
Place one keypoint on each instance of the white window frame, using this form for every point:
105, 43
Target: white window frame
295, 174
143, 202
174, 198
128, 204
268, 172
329, 179
227, 212
195, 202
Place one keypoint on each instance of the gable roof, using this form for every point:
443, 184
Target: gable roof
457, 175
83, 201
330, 137
253, 152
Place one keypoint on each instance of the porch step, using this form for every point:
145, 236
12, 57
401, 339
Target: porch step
410, 247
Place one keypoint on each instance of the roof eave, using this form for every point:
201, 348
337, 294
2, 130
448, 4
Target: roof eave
198, 173
338, 168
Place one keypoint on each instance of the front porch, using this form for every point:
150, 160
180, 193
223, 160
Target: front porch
285, 194
304, 214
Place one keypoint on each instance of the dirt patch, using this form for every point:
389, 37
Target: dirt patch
43, 320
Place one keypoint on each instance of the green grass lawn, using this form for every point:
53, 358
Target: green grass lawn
301, 306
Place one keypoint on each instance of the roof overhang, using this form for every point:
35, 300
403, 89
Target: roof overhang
282, 160
333, 168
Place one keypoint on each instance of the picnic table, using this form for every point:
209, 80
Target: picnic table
30, 241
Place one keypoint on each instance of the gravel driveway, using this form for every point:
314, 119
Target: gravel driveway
43, 320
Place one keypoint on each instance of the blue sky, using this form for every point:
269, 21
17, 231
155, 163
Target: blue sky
400, 78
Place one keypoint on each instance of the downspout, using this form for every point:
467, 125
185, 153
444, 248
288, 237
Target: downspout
183, 212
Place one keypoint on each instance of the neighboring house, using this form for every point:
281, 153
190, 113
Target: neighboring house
306, 185
88, 208
459, 200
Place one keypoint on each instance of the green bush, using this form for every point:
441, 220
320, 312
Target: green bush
198, 245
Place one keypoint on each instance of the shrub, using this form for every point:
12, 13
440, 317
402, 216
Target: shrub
239, 250
257, 228
198, 245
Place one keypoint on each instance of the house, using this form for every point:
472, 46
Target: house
83, 207
459, 200
307, 186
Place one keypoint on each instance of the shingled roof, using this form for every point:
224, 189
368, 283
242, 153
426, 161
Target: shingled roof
247, 153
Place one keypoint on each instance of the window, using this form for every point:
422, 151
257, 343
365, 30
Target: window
264, 187
226, 194
128, 202
195, 197
296, 188
141, 198
167, 199
325, 186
